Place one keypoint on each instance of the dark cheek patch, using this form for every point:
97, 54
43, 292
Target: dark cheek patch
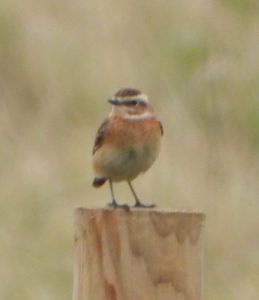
131, 103
143, 104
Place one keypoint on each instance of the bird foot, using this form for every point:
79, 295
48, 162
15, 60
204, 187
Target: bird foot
141, 205
114, 205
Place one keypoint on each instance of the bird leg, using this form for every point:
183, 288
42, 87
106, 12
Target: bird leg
137, 201
114, 204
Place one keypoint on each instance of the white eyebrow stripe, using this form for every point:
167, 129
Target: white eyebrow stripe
140, 97
119, 99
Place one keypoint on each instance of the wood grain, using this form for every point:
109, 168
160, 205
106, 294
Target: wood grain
137, 255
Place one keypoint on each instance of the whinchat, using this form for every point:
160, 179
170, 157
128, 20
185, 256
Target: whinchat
127, 142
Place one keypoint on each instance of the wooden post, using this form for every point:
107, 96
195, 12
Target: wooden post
137, 255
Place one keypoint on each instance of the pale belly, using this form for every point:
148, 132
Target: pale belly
126, 164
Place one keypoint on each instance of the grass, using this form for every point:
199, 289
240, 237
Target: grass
59, 62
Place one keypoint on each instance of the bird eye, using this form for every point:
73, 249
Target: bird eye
131, 102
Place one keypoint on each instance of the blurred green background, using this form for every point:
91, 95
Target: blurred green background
198, 61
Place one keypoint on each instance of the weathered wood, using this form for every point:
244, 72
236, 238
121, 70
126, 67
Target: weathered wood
137, 255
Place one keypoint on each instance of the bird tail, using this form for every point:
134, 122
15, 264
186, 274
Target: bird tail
99, 181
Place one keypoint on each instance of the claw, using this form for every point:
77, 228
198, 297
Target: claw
114, 205
141, 205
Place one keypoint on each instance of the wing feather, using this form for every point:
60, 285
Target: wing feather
161, 127
100, 135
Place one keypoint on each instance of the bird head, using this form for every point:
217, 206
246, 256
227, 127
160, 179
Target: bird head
128, 102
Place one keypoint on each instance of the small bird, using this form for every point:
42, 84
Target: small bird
127, 142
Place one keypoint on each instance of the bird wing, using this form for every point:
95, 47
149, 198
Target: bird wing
161, 127
100, 135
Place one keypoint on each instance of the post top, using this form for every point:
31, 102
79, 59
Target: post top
140, 211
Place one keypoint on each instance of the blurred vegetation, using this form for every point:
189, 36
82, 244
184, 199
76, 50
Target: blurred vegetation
59, 61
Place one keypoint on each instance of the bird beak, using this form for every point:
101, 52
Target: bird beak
114, 101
